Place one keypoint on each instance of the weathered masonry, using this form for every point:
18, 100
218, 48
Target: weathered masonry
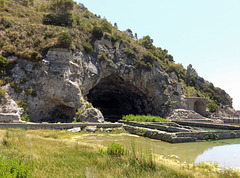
197, 104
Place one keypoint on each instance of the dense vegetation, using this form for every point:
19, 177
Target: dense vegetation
52, 153
29, 28
143, 118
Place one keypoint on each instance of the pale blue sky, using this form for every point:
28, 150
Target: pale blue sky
203, 33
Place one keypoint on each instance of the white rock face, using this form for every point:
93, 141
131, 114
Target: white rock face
63, 81
58, 94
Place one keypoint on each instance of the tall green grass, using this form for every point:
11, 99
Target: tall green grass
143, 118
54, 153
114, 149
14, 168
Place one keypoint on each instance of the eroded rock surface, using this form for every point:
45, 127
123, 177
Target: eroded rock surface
91, 115
65, 81
183, 114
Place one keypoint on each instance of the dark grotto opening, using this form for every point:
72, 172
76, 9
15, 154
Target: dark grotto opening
200, 108
115, 98
60, 113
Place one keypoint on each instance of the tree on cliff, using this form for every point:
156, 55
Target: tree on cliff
191, 75
61, 13
146, 42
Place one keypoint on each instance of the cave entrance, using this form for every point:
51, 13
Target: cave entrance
115, 98
60, 113
200, 108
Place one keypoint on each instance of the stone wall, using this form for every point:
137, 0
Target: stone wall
58, 126
182, 136
9, 117
209, 125
197, 104
168, 127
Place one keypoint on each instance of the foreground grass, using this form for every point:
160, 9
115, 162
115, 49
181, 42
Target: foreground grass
143, 118
51, 153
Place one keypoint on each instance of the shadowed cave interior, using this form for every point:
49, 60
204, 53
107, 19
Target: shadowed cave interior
59, 113
115, 98
199, 107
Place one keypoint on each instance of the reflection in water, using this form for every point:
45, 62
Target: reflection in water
185, 151
226, 156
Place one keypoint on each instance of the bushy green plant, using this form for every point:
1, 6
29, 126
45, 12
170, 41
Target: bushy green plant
191, 76
178, 69
97, 32
106, 26
87, 47
146, 42
64, 40
2, 2
1, 44
61, 14
31, 55
129, 52
143, 118
2, 93
212, 107
6, 22
16, 86
14, 168
9, 50
146, 61
22, 104
114, 149
75, 120
2, 83
31, 92
25, 117
3, 62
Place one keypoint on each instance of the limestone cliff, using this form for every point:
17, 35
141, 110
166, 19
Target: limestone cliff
64, 81
53, 68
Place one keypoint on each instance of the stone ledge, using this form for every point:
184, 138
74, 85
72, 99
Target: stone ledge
208, 125
184, 136
168, 127
9, 117
58, 126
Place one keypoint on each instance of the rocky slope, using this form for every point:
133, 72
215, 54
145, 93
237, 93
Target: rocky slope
118, 76
63, 81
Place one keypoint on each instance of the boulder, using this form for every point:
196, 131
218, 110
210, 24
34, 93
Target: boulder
183, 114
91, 129
91, 115
75, 129
108, 130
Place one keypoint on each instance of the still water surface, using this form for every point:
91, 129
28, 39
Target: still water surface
224, 152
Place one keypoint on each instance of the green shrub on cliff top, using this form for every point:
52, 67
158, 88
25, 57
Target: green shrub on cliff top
64, 40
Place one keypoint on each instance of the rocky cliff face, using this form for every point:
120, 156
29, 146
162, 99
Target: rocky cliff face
63, 82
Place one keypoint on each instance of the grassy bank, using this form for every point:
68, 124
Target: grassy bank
143, 118
54, 153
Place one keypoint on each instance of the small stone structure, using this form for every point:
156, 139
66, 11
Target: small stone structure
9, 117
181, 137
197, 104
